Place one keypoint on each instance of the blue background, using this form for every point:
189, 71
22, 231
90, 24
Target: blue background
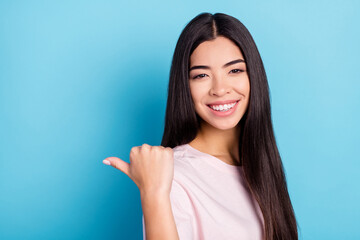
84, 80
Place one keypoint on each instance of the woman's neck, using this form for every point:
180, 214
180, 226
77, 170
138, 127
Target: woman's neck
219, 143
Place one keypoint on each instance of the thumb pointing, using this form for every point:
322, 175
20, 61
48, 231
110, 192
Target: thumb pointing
118, 163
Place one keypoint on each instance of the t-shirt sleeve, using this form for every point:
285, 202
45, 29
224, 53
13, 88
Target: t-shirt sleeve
143, 225
182, 211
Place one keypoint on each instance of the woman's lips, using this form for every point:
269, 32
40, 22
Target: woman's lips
222, 102
224, 113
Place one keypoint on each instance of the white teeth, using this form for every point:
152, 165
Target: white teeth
224, 107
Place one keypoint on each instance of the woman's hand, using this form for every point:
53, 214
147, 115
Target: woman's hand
151, 168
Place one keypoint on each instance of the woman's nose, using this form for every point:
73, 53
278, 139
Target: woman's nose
219, 87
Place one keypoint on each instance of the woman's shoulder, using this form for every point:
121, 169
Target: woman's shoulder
183, 161
181, 153
180, 150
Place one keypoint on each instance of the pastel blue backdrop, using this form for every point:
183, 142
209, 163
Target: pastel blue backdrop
84, 80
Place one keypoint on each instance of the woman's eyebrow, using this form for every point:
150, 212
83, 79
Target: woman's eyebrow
226, 65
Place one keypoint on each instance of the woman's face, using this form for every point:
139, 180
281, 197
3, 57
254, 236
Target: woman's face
218, 73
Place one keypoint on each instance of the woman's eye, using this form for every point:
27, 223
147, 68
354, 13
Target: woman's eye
199, 76
237, 70
232, 71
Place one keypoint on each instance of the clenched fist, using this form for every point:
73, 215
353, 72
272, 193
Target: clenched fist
151, 168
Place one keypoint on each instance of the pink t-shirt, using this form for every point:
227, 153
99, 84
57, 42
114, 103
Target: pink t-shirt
210, 200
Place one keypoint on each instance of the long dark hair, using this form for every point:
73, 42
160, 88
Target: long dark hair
258, 151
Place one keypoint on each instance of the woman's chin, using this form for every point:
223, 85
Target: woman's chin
224, 126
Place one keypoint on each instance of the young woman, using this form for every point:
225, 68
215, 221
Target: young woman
218, 173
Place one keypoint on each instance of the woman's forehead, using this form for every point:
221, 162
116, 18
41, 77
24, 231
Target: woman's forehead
215, 52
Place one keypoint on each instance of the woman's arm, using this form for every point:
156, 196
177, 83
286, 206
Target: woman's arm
158, 217
152, 170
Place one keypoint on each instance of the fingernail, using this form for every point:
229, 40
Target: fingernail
107, 162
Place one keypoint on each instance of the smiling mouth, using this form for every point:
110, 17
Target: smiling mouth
223, 107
